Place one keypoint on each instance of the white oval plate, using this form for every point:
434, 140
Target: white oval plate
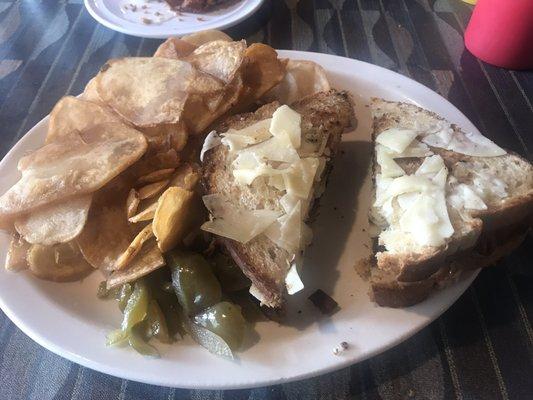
69, 320
110, 14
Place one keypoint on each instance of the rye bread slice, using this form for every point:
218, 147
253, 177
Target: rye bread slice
403, 279
325, 114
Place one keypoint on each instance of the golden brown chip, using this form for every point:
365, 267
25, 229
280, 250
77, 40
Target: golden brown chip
173, 217
303, 78
174, 48
149, 259
73, 114
91, 94
186, 177
78, 164
202, 37
107, 233
148, 91
133, 249
198, 121
145, 215
17, 254
59, 263
152, 162
219, 58
132, 203
55, 223
166, 136
263, 70
156, 176
153, 189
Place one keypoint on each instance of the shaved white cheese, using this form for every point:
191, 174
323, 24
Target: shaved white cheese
300, 177
287, 231
489, 186
382, 184
241, 138
277, 148
415, 149
462, 196
475, 145
441, 138
288, 202
211, 140
286, 121
406, 184
406, 200
247, 167
440, 178
427, 220
442, 135
396, 139
430, 166
236, 223
276, 181
389, 167
321, 167
293, 282
257, 294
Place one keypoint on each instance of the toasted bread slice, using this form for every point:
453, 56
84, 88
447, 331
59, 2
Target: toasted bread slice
324, 116
405, 272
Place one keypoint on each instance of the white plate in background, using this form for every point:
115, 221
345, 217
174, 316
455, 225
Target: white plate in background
112, 14
69, 320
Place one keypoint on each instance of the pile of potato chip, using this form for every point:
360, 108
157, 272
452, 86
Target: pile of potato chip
115, 185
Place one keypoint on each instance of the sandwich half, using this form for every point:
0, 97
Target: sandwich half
262, 180
444, 201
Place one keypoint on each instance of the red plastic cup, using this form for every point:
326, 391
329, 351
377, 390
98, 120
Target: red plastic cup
500, 32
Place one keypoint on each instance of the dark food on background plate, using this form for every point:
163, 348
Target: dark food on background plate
116, 186
445, 201
198, 5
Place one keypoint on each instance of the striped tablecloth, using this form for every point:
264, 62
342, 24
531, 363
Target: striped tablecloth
482, 348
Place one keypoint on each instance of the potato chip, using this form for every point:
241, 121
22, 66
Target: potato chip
77, 164
107, 233
220, 58
90, 93
145, 215
173, 217
202, 37
262, 71
133, 249
186, 177
148, 91
156, 176
303, 78
152, 162
132, 203
17, 254
74, 165
72, 114
149, 259
59, 263
166, 136
55, 223
152, 189
175, 48
198, 121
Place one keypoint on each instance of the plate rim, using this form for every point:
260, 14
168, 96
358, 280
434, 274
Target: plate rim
90, 6
465, 282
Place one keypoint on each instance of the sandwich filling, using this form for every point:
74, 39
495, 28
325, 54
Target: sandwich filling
275, 152
418, 209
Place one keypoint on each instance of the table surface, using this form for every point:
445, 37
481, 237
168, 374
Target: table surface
481, 348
